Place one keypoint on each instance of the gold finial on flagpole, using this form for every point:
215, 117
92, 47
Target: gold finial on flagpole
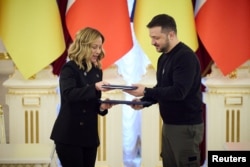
3, 52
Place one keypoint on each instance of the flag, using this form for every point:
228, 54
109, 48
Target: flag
110, 17
31, 31
223, 27
181, 11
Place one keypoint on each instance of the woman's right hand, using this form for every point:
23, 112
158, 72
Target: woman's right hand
98, 86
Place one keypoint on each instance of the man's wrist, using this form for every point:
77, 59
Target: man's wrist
144, 91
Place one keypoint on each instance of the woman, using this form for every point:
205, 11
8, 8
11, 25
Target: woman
75, 131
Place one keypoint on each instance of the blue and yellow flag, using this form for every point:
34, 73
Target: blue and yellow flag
32, 33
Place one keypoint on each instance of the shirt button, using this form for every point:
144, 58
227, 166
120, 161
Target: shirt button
81, 123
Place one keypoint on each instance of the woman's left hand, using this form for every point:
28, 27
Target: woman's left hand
105, 106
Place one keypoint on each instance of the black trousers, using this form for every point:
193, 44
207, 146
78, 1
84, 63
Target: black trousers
76, 156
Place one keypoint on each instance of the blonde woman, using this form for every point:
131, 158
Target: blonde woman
75, 130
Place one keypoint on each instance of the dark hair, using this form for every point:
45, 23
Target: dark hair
165, 21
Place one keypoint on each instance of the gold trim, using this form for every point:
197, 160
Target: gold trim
233, 126
32, 77
104, 139
101, 151
50, 91
238, 126
233, 119
99, 148
233, 75
31, 127
4, 56
37, 127
1, 110
26, 126
227, 125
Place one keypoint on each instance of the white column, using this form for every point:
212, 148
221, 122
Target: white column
6, 69
227, 101
32, 106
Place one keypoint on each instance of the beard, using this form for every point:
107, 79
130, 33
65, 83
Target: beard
163, 47
166, 47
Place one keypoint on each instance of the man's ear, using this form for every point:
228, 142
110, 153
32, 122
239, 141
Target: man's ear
171, 35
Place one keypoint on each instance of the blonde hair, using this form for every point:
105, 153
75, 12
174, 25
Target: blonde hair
80, 50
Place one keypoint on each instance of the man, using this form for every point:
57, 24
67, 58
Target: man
178, 93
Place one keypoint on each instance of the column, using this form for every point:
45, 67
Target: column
227, 102
32, 107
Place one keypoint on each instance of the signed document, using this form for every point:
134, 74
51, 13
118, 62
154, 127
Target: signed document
125, 102
123, 87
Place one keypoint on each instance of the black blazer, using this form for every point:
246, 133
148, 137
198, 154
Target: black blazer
77, 121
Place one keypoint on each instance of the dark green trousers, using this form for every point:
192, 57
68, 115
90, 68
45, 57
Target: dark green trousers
180, 145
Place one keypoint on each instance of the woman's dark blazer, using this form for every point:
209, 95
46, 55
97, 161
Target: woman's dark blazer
77, 121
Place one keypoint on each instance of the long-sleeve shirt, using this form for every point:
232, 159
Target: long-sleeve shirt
178, 88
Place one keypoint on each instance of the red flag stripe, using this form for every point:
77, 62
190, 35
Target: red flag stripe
223, 27
108, 16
